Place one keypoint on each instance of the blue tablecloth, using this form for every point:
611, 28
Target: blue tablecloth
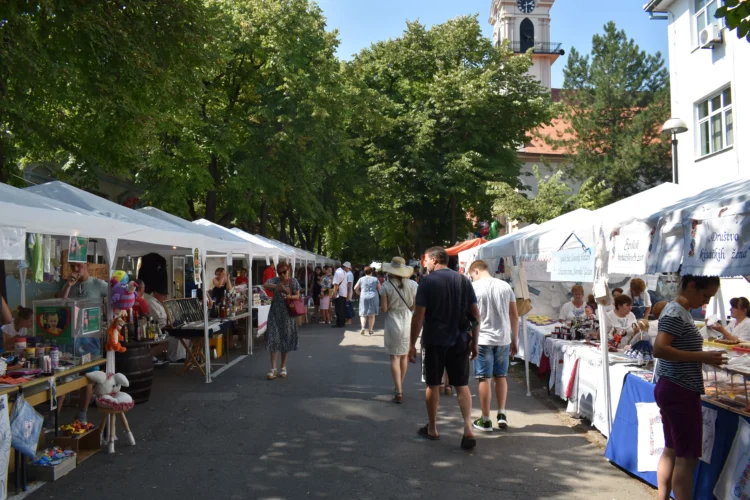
622, 448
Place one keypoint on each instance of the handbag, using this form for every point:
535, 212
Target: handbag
295, 307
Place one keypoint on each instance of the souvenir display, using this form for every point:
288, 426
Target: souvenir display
73, 326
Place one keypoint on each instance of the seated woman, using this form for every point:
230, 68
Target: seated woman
741, 330
575, 310
621, 321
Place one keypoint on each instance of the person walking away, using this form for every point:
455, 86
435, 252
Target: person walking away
679, 347
340, 293
282, 328
317, 291
326, 298
397, 299
349, 292
498, 342
368, 289
445, 302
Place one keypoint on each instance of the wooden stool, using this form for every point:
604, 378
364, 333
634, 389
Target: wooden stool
108, 422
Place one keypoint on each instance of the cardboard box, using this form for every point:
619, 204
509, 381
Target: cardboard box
50, 472
84, 445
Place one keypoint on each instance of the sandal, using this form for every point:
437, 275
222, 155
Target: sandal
425, 433
271, 374
398, 398
283, 373
468, 442
371, 334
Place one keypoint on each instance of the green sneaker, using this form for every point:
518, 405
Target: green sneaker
483, 425
502, 421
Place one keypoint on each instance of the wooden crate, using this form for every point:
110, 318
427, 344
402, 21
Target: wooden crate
50, 472
84, 445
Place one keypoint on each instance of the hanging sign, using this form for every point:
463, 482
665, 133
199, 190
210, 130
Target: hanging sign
573, 264
197, 265
629, 248
717, 247
536, 270
78, 249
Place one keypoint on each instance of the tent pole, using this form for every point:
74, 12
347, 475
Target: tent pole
722, 312
249, 349
206, 340
604, 346
526, 352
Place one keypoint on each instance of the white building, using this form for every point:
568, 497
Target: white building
710, 85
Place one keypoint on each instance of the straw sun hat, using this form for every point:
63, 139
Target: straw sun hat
398, 267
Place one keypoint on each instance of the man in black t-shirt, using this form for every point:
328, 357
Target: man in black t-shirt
444, 298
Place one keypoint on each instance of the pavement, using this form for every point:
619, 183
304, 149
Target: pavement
330, 430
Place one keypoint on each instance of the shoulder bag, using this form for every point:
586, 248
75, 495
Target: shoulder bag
295, 306
410, 307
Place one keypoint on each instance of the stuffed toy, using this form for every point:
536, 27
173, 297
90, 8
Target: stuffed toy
107, 390
123, 294
113, 334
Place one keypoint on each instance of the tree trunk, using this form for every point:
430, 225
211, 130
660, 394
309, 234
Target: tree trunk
320, 243
263, 224
454, 208
282, 228
213, 169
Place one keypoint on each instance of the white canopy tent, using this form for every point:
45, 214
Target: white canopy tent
156, 235
259, 248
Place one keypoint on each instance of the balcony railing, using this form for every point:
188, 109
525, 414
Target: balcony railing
539, 47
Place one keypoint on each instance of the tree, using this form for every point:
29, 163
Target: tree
265, 128
616, 100
736, 13
85, 83
553, 199
451, 110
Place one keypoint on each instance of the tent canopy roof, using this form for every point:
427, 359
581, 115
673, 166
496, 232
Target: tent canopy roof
465, 245
259, 248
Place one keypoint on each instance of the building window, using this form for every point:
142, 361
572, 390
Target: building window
716, 123
704, 13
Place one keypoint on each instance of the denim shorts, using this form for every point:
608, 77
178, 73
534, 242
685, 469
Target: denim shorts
493, 361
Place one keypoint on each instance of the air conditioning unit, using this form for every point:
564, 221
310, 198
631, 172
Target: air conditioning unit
710, 36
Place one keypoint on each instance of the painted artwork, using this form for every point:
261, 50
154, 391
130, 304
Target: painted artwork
734, 481
54, 322
78, 249
650, 436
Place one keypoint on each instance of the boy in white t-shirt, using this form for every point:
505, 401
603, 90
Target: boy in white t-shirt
498, 341
621, 320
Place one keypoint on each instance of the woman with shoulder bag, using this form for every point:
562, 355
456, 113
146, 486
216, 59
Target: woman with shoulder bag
397, 298
282, 326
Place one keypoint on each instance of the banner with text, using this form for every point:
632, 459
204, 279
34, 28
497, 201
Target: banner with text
717, 247
574, 264
629, 249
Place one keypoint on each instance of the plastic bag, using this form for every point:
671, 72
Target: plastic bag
25, 427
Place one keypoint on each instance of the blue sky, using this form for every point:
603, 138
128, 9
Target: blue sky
574, 22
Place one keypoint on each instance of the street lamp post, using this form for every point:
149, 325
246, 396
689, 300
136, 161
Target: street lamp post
674, 126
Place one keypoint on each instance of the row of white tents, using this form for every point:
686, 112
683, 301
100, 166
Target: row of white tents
61, 210
668, 228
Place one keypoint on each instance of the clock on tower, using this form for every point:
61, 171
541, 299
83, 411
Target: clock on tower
526, 25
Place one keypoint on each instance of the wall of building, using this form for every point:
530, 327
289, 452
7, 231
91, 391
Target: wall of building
696, 74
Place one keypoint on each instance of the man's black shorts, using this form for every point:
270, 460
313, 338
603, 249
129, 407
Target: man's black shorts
453, 359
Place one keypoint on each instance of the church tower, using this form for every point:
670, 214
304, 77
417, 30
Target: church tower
526, 24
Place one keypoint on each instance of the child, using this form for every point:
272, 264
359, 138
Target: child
17, 328
325, 305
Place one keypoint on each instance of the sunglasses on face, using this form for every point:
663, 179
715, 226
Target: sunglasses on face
284, 272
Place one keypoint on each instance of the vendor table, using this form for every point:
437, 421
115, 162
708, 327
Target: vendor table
622, 448
195, 351
536, 335
36, 392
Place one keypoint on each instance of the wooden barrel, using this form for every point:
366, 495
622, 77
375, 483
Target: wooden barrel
138, 366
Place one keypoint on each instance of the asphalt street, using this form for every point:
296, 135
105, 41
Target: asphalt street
330, 430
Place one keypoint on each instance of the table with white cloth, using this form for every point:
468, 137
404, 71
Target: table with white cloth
262, 318
536, 335
576, 377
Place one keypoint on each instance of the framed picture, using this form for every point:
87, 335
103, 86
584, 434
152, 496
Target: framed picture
78, 249
54, 323
197, 265
90, 320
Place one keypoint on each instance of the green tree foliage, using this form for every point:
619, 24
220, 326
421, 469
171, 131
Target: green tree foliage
266, 128
85, 83
449, 112
736, 13
616, 101
553, 199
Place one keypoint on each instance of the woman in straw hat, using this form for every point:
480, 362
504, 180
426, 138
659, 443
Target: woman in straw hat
397, 297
